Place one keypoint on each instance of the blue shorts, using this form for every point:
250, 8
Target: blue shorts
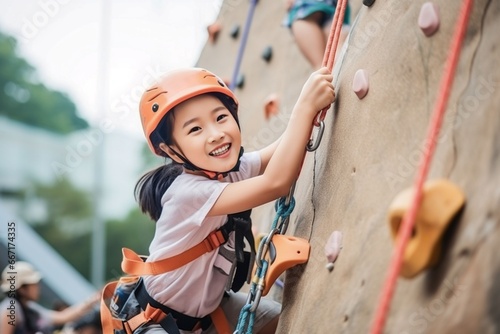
301, 9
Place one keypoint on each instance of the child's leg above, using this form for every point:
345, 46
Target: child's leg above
310, 38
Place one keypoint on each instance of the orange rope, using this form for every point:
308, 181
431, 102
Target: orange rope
432, 136
331, 47
329, 55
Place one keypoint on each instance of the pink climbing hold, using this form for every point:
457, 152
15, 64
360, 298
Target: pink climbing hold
360, 83
332, 248
428, 20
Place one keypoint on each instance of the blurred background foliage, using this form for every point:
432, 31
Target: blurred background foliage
24, 98
67, 224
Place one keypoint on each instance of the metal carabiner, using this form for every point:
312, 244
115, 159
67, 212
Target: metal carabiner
290, 194
258, 296
311, 147
264, 247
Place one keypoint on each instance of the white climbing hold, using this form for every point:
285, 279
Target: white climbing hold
429, 19
360, 83
332, 248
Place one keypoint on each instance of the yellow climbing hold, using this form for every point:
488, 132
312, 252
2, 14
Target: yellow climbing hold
441, 201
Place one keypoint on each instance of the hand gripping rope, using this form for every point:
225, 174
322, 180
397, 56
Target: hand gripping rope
261, 282
432, 136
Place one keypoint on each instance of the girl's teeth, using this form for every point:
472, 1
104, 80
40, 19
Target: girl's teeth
220, 150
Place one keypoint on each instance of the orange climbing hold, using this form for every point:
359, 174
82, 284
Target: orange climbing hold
441, 201
288, 252
271, 105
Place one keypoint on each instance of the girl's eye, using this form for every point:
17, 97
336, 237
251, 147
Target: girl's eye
221, 117
194, 129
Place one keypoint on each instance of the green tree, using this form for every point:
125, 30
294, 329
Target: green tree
25, 99
69, 210
135, 232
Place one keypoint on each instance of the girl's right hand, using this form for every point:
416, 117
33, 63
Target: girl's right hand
317, 93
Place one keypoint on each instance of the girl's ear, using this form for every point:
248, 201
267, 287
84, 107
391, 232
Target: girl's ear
165, 148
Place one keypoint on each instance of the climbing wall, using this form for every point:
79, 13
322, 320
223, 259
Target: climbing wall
371, 151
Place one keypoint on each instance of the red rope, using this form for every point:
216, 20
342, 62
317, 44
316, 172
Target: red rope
331, 47
432, 136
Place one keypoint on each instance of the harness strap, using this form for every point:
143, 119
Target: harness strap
220, 321
178, 320
107, 320
169, 319
240, 223
134, 264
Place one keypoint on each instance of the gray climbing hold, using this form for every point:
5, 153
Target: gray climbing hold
267, 54
235, 31
241, 81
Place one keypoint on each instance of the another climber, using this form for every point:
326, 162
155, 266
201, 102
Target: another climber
307, 20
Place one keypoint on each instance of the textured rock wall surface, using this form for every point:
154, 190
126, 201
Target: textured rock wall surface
371, 152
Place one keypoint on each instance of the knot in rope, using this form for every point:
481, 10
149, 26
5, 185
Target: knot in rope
283, 210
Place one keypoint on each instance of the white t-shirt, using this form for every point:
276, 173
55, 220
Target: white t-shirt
195, 289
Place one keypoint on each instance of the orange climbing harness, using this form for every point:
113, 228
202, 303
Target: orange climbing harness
151, 311
433, 132
278, 252
136, 266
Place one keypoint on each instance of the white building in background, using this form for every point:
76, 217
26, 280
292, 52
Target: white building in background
31, 154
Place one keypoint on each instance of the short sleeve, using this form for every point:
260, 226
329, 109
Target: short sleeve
249, 167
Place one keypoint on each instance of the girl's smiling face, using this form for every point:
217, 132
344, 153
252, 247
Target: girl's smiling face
206, 133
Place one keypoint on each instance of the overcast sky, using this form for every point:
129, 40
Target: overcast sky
62, 39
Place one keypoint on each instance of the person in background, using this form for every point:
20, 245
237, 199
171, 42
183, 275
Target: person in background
19, 312
309, 21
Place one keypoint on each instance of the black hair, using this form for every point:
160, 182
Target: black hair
152, 185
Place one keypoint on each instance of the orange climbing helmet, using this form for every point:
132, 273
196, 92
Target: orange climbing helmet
174, 88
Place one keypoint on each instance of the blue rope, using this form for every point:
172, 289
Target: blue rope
283, 211
243, 43
247, 318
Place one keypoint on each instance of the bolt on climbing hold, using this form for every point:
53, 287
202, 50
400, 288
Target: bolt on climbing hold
332, 248
441, 202
368, 3
428, 19
360, 83
235, 31
213, 31
271, 105
267, 54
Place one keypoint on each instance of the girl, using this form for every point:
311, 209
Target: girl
190, 116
